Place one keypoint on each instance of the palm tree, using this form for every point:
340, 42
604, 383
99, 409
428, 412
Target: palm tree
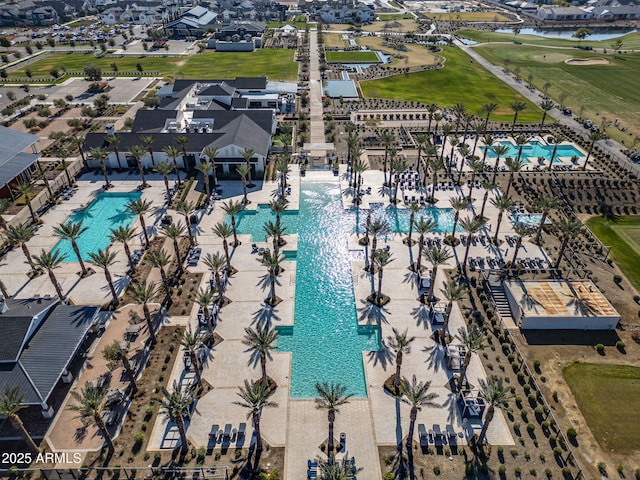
90, 407
494, 394
460, 109
204, 298
488, 141
471, 226
437, 256
42, 174
272, 261
115, 354
25, 190
400, 344
503, 204
387, 138
124, 235
50, 261
341, 470
175, 233
232, 208
452, 293
3, 287
160, 259
165, 169
10, 405
114, 141
275, 231
223, 230
282, 168
421, 141
187, 209
63, 154
143, 294
278, 207
521, 231
140, 207
191, 343
457, 203
447, 128
71, 232
477, 167
513, 166
78, 142
247, 154
432, 108
216, 264
472, 340
416, 395
243, 171
261, 341
488, 109
488, 186
381, 259
331, 396
211, 153
182, 141
545, 204
594, 137
423, 227
377, 227
255, 397
173, 152
176, 406
399, 166
105, 259
205, 169
359, 167
546, 106
517, 107
137, 152
413, 208
569, 229
436, 166
20, 235
148, 141
556, 141
100, 154
498, 150
5, 203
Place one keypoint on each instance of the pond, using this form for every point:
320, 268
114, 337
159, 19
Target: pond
568, 34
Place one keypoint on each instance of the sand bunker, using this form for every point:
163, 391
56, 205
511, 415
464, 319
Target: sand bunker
587, 61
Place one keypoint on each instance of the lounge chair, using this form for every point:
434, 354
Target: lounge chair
242, 428
450, 431
214, 432
227, 431
422, 435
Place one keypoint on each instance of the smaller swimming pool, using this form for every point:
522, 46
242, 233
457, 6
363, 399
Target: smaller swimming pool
536, 149
528, 219
105, 212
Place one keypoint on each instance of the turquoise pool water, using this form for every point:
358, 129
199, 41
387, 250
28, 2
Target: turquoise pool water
326, 341
536, 149
105, 212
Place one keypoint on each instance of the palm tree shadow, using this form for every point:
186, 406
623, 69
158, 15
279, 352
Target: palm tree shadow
384, 356
434, 357
372, 314
264, 317
265, 283
400, 466
421, 314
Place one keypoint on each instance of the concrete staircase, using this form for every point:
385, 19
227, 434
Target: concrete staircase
500, 299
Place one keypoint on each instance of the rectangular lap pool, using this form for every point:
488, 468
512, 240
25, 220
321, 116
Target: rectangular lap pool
535, 150
105, 212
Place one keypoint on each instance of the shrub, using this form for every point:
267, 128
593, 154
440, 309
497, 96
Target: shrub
138, 438
436, 469
571, 433
602, 468
517, 471
502, 469
468, 469
620, 346
536, 365
557, 451
531, 427
548, 473
566, 472
617, 279
600, 348
389, 476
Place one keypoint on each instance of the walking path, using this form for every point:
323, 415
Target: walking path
316, 136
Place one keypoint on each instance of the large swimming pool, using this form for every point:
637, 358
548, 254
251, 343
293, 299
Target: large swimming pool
326, 341
105, 212
536, 149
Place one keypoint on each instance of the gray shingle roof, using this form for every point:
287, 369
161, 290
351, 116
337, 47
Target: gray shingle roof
15, 324
12, 159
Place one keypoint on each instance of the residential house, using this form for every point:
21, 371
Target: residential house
193, 23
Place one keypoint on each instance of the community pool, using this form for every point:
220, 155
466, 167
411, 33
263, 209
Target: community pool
536, 149
105, 212
326, 341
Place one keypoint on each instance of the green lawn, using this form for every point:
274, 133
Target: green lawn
631, 40
460, 81
607, 397
622, 234
275, 64
300, 25
352, 57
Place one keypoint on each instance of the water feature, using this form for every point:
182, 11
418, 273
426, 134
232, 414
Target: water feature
567, 35
535, 150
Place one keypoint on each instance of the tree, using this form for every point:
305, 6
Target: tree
205, 169
223, 230
437, 256
594, 137
148, 141
139, 67
488, 109
100, 154
513, 166
556, 141
416, 395
244, 172
255, 397
452, 293
423, 227
387, 138
5, 204
90, 407
172, 152
414, 208
25, 190
381, 259
233, 208
175, 406
282, 168
165, 169
517, 107
50, 261
137, 152
261, 341
521, 232
92, 72
399, 343
494, 394
472, 340
516, 31
447, 129
160, 260
10, 404
71, 232
63, 154
20, 235
377, 227
278, 207
105, 259
186, 209
471, 226
124, 235
546, 106
436, 166
247, 155
191, 343
498, 151
581, 34
568, 229
216, 264
115, 354
140, 208
545, 204
331, 396
114, 141
143, 294
617, 45
503, 204
272, 261
457, 203
399, 166
175, 233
